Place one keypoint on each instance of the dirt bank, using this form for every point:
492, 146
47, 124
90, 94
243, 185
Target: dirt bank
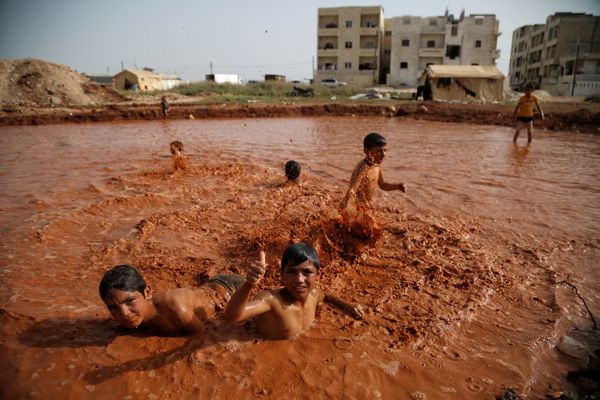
559, 117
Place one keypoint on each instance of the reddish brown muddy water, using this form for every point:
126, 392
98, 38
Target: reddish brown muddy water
469, 291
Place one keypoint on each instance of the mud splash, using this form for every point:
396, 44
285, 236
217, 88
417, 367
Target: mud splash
463, 287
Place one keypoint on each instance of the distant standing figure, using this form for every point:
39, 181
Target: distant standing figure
524, 112
292, 170
164, 105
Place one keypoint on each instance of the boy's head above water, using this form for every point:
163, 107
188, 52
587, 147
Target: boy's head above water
292, 170
125, 293
374, 147
299, 268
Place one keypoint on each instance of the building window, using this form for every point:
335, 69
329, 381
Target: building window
348, 45
433, 22
478, 43
348, 65
452, 52
406, 21
403, 65
478, 21
388, 33
349, 23
431, 44
387, 52
454, 30
474, 63
405, 42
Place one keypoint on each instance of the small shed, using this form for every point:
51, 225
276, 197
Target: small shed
137, 78
274, 78
465, 82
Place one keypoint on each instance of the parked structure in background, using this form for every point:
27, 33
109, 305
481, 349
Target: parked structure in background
145, 80
169, 81
274, 78
417, 42
349, 44
359, 46
101, 79
223, 78
561, 56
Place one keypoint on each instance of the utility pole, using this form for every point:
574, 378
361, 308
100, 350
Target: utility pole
211, 65
575, 69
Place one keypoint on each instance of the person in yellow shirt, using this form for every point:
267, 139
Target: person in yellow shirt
524, 112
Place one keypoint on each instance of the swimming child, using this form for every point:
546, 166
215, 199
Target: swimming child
524, 112
176, 148
130, 301
164, 106
367, 176
292, 171
179, 160
288, 311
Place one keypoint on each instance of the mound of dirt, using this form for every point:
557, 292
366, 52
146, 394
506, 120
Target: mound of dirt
37, 83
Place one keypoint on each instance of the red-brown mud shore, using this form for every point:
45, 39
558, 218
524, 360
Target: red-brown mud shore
584, 118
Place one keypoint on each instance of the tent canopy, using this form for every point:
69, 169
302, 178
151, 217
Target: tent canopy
465, 82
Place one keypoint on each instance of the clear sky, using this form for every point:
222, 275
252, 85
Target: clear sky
245, 37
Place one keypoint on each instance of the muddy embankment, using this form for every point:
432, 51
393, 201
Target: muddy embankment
579, 120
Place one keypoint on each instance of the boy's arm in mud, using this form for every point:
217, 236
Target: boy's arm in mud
358, 175
353, 309
383, 185
240, 307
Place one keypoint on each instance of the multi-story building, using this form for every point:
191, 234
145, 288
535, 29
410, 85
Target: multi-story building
349, 44
561, 56
357, 45
417, 42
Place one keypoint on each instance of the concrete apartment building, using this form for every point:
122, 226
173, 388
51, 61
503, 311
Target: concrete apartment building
349, 44
417, 42
359, 46
561, 56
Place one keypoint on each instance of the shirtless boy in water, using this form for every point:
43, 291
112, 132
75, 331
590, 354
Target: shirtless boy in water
367, 176
286, 312
132, 305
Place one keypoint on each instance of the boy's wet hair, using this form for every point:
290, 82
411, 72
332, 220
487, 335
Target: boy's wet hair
529, 86
176, 146
122, 277
292, 169
297, 253
373, 140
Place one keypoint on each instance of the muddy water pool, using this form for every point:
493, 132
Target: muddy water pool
467, 291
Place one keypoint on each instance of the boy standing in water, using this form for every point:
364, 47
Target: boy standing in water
367, 176
524, 112
132, 305
164, 106
286, 312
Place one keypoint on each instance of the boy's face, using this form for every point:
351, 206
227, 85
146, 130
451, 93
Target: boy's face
528, 91
376, 154
128, 308
300, 279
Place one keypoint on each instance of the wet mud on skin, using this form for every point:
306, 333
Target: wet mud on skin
463, 286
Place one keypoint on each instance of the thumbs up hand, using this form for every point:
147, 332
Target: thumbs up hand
256, 270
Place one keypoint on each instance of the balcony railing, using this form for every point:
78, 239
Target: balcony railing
431, 52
